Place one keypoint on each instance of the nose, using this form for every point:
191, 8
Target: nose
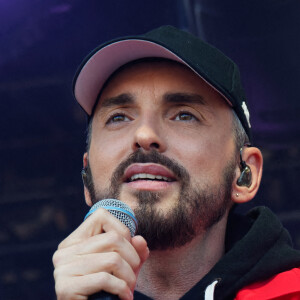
148, 137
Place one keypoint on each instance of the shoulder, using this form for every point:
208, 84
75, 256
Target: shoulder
285, 285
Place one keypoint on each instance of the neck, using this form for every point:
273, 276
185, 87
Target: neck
169, 274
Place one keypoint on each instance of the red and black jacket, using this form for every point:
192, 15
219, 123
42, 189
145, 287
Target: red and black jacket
259, 264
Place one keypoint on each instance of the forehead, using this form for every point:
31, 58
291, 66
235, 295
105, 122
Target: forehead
160, 74
150, 88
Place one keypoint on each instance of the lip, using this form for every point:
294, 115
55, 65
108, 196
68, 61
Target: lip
149, 185
148, 168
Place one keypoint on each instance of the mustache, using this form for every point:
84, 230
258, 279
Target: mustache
153, 156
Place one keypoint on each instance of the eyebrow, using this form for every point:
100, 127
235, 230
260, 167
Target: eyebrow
181, 98
122, 99
168, 98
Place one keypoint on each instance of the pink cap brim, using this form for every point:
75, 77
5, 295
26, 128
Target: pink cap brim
108, 59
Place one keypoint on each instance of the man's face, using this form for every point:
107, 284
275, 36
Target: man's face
162, 142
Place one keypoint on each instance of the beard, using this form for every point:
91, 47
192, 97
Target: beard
195, 210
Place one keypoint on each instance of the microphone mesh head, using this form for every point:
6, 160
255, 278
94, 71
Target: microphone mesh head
119, 210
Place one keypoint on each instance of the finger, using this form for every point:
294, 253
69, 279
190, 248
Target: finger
140, 246
100, 221
105, 242
142, 250
83, 286
112, 242
111, 263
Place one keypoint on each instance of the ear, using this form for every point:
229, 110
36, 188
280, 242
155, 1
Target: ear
253, 158
87, 195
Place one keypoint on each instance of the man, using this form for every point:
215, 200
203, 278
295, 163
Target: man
169, 135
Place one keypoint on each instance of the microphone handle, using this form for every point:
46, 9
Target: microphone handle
103, 296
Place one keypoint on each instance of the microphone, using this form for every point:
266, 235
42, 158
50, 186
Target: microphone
124, 214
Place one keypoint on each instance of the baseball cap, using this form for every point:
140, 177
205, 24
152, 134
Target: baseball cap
215, 68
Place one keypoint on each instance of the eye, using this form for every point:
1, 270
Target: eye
185, 116
117, 118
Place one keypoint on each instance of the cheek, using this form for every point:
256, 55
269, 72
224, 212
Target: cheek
104, 156
195, 156
203, 156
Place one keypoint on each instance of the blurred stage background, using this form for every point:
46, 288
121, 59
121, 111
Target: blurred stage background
42, 129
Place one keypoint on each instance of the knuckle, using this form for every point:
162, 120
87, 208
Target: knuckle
114, 261
136, 263
123, 286
59, 257
68, 288
58, 274
131, 281
61, 245
103, 277
100, 213
55, 273
114, 237
125, 231
61, 273
61, 291
56, 258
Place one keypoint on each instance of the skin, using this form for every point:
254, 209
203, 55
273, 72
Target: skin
197, 133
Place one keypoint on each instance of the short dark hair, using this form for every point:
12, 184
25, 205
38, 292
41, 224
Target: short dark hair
240, 136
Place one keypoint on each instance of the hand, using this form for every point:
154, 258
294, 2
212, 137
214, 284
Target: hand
99, 255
